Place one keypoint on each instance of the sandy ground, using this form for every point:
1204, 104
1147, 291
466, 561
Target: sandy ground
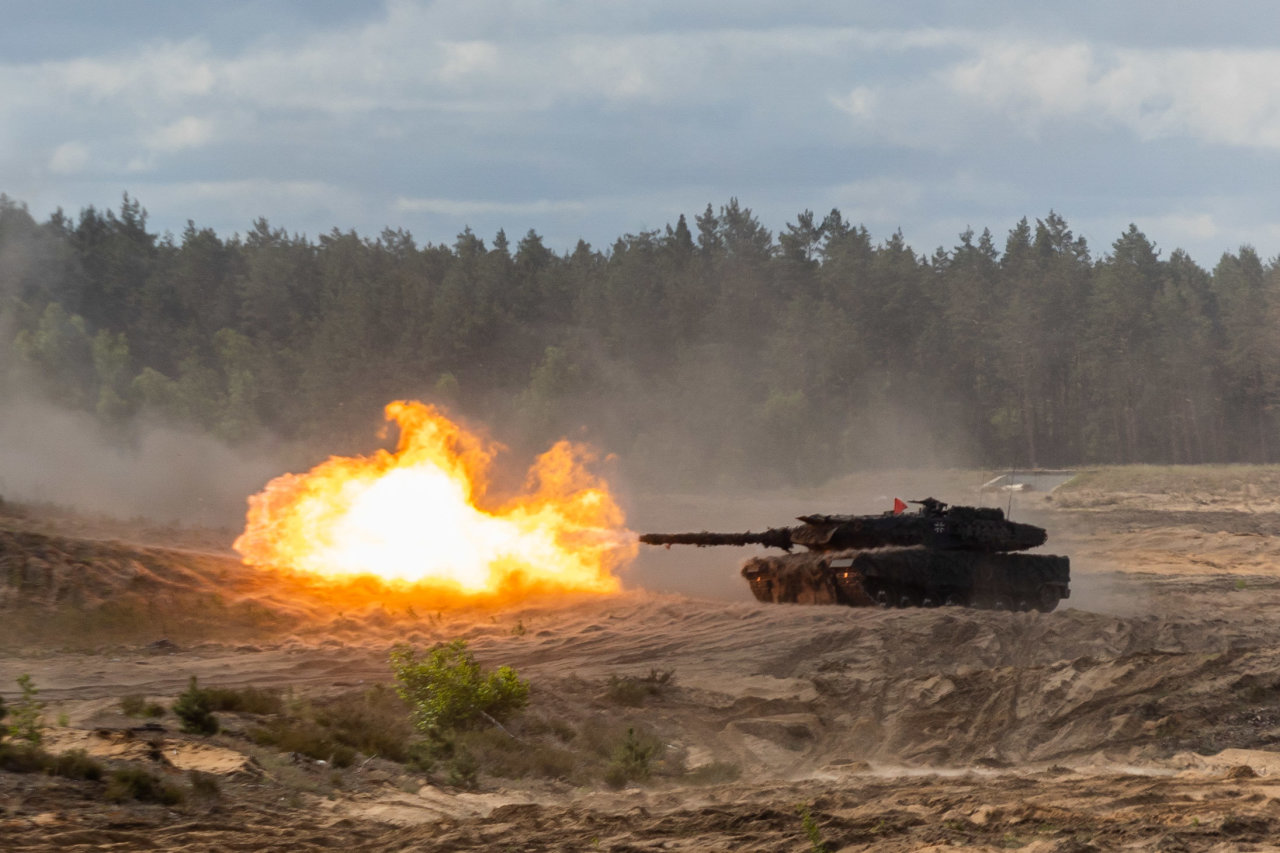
1143, 714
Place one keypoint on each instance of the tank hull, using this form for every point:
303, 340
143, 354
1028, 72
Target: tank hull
912, 577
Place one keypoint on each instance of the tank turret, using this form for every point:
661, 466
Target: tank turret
936, 525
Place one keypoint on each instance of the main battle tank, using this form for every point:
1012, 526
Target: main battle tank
938, 555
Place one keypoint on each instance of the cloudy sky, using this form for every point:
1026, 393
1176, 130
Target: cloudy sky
590, 119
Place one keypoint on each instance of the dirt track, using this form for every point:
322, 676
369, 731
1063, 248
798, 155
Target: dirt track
1144, 713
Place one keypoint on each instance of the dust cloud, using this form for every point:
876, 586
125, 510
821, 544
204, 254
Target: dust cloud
55, 455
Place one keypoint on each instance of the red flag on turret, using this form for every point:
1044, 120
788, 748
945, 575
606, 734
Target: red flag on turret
898, 506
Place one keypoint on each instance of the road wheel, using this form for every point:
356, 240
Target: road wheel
1048, 599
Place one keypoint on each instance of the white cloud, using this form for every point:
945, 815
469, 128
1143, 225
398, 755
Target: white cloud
165, 70
186, 132
467, 58
232, 205
860, 102
1216, 96
239, 189
464, 208
880, 200
1177, 229
69, 158
420, 57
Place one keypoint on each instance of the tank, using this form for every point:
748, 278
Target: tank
937, 555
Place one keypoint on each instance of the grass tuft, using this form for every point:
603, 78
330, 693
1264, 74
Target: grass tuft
244, 700
633, 690
136, 705
305, 737
715, 773
204, 785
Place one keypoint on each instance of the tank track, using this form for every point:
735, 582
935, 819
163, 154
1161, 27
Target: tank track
912, 577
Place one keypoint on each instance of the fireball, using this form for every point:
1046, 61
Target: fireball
418, 517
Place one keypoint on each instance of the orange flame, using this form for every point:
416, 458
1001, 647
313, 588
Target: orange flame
413, 517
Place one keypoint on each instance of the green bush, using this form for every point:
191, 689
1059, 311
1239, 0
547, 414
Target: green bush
446, 688
193, 709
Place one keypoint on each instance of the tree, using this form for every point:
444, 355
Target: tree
27, 722
1122, 347
111, 367
1185, 362
1248, 300
60, 350
116, 254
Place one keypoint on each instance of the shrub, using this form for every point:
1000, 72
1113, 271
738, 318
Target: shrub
502, 755
374, 721
305, 737
632, 690
631, 759
75, 764
464, 770
23, 758
244, 700
447, 689
27, 758
134, 783
193, 709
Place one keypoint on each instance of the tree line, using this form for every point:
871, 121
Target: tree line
719, 352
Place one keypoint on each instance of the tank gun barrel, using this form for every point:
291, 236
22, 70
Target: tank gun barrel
774, 537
